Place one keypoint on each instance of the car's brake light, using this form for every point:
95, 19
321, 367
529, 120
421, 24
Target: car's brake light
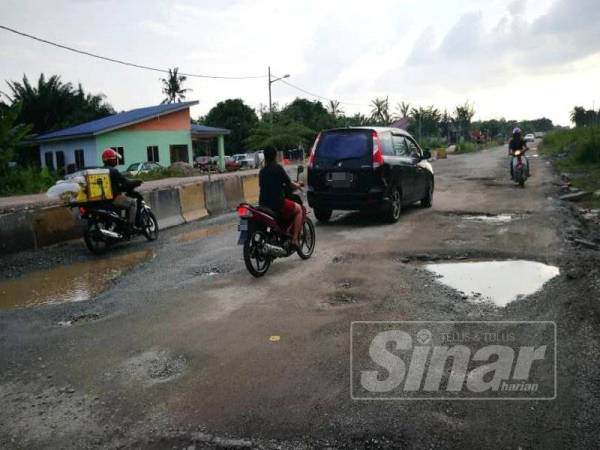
377, 151
313, 150
244, 212
82, 210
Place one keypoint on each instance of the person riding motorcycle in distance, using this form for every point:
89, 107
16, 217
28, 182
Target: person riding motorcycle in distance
273, 181
119, 184
517, 142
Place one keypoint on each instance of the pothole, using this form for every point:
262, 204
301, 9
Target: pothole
342, 298
500, 282
80, 318
211, 270
69, 283
497, 219
153, 367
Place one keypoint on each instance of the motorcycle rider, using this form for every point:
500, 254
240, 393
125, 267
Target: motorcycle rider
273, 181
119, 184
517, 142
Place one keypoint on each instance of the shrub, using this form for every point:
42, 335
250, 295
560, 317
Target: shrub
29, 180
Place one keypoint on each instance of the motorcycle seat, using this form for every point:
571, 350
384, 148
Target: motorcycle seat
266, 210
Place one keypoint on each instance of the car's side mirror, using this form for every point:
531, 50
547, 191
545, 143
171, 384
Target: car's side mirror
426, 154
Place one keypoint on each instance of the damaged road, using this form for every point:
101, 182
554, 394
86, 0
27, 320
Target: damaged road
178, 349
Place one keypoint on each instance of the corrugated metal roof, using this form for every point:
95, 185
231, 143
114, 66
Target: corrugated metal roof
203, 129
114, 122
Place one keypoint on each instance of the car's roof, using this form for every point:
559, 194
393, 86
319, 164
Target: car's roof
392, 129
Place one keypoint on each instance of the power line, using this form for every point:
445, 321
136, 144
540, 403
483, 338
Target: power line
125, 63
320, 96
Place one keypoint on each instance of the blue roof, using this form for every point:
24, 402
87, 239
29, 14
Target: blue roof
114, 122
203, 129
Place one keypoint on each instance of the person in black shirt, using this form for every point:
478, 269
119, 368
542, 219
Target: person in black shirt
119, 185
517, 143
273, 181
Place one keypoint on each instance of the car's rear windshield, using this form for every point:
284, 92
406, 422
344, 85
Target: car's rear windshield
344, 144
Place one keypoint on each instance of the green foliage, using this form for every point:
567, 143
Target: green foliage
173, 86
380, 111
52, 104
582, 117
280, 136
312, 115
236, 116
425, 122
29, 180
11, 134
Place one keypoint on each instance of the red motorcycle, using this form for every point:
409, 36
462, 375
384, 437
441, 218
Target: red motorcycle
265, 237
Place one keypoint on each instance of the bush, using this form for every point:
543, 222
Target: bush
29, 180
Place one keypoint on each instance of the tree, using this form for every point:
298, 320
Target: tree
236, 116
279, 136
402, 110
173, 87
380, 112
52, 104
11, 134
335, 109
425, 121
462, 116
311, 114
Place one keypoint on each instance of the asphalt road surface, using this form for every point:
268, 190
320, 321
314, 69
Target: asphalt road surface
184, 349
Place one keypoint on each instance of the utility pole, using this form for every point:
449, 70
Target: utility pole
287, 75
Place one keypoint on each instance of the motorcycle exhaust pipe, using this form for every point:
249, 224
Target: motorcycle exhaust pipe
273, 250
110, 234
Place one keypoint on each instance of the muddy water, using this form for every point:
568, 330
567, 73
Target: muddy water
207, 232
71, 283
498, 281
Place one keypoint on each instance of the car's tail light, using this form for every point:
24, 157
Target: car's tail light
313, 150
82, 211
244, 212
377, 151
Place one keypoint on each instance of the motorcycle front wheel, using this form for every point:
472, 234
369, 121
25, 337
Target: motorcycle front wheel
307, 239
256, 262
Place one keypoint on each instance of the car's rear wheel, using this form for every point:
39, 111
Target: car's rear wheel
427, 201
322, 214
394, 208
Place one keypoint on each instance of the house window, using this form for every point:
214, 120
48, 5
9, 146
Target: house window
179, 153
49, 159
152, 153
60, 160
79, 159
121, 152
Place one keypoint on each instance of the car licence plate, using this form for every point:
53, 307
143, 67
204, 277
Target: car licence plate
340, 176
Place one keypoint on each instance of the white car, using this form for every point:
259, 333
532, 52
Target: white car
142, 167
529, 137
246, 161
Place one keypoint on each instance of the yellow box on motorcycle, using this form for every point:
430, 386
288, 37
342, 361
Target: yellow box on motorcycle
98, 186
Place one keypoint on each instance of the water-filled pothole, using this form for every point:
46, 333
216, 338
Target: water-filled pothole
69, 283
498, 281
492, 219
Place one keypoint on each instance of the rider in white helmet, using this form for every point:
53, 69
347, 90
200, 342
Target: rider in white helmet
517, 143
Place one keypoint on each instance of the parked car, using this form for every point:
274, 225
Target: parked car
231, 165
369, 169
529, 137
246, 161
205, 163
142, 167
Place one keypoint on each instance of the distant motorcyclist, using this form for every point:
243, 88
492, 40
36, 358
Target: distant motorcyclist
517, 142
119, 184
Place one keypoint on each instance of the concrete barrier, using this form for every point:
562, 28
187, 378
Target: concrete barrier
214, 197
191, 198
16, 232
166, 206
234, 193
55, 224
250, 188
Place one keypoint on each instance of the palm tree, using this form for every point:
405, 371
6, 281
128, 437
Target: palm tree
380, 112
334, 108
172, 87
578, 116
402, 110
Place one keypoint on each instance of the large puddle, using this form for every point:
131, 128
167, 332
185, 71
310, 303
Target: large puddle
498, 281
70, 283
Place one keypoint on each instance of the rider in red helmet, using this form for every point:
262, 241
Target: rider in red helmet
119, 184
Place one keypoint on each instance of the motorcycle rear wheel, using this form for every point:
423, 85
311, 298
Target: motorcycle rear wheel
149, 224
307, 239
256, 263
94, 241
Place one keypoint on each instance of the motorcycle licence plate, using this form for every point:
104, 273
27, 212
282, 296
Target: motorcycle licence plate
243, 225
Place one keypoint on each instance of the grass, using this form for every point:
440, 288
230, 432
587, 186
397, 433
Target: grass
472, 147
576, 152
24, 181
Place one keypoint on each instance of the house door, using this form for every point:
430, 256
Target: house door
179, 153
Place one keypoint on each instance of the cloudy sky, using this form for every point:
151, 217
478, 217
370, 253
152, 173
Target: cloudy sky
511, 58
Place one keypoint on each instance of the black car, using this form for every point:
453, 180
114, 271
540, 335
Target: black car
368, 169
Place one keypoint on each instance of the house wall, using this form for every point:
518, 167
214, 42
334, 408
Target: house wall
135, 142
88, 146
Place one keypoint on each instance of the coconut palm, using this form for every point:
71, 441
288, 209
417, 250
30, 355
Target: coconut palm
380, 112
334, 108
173, 87
402, 110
